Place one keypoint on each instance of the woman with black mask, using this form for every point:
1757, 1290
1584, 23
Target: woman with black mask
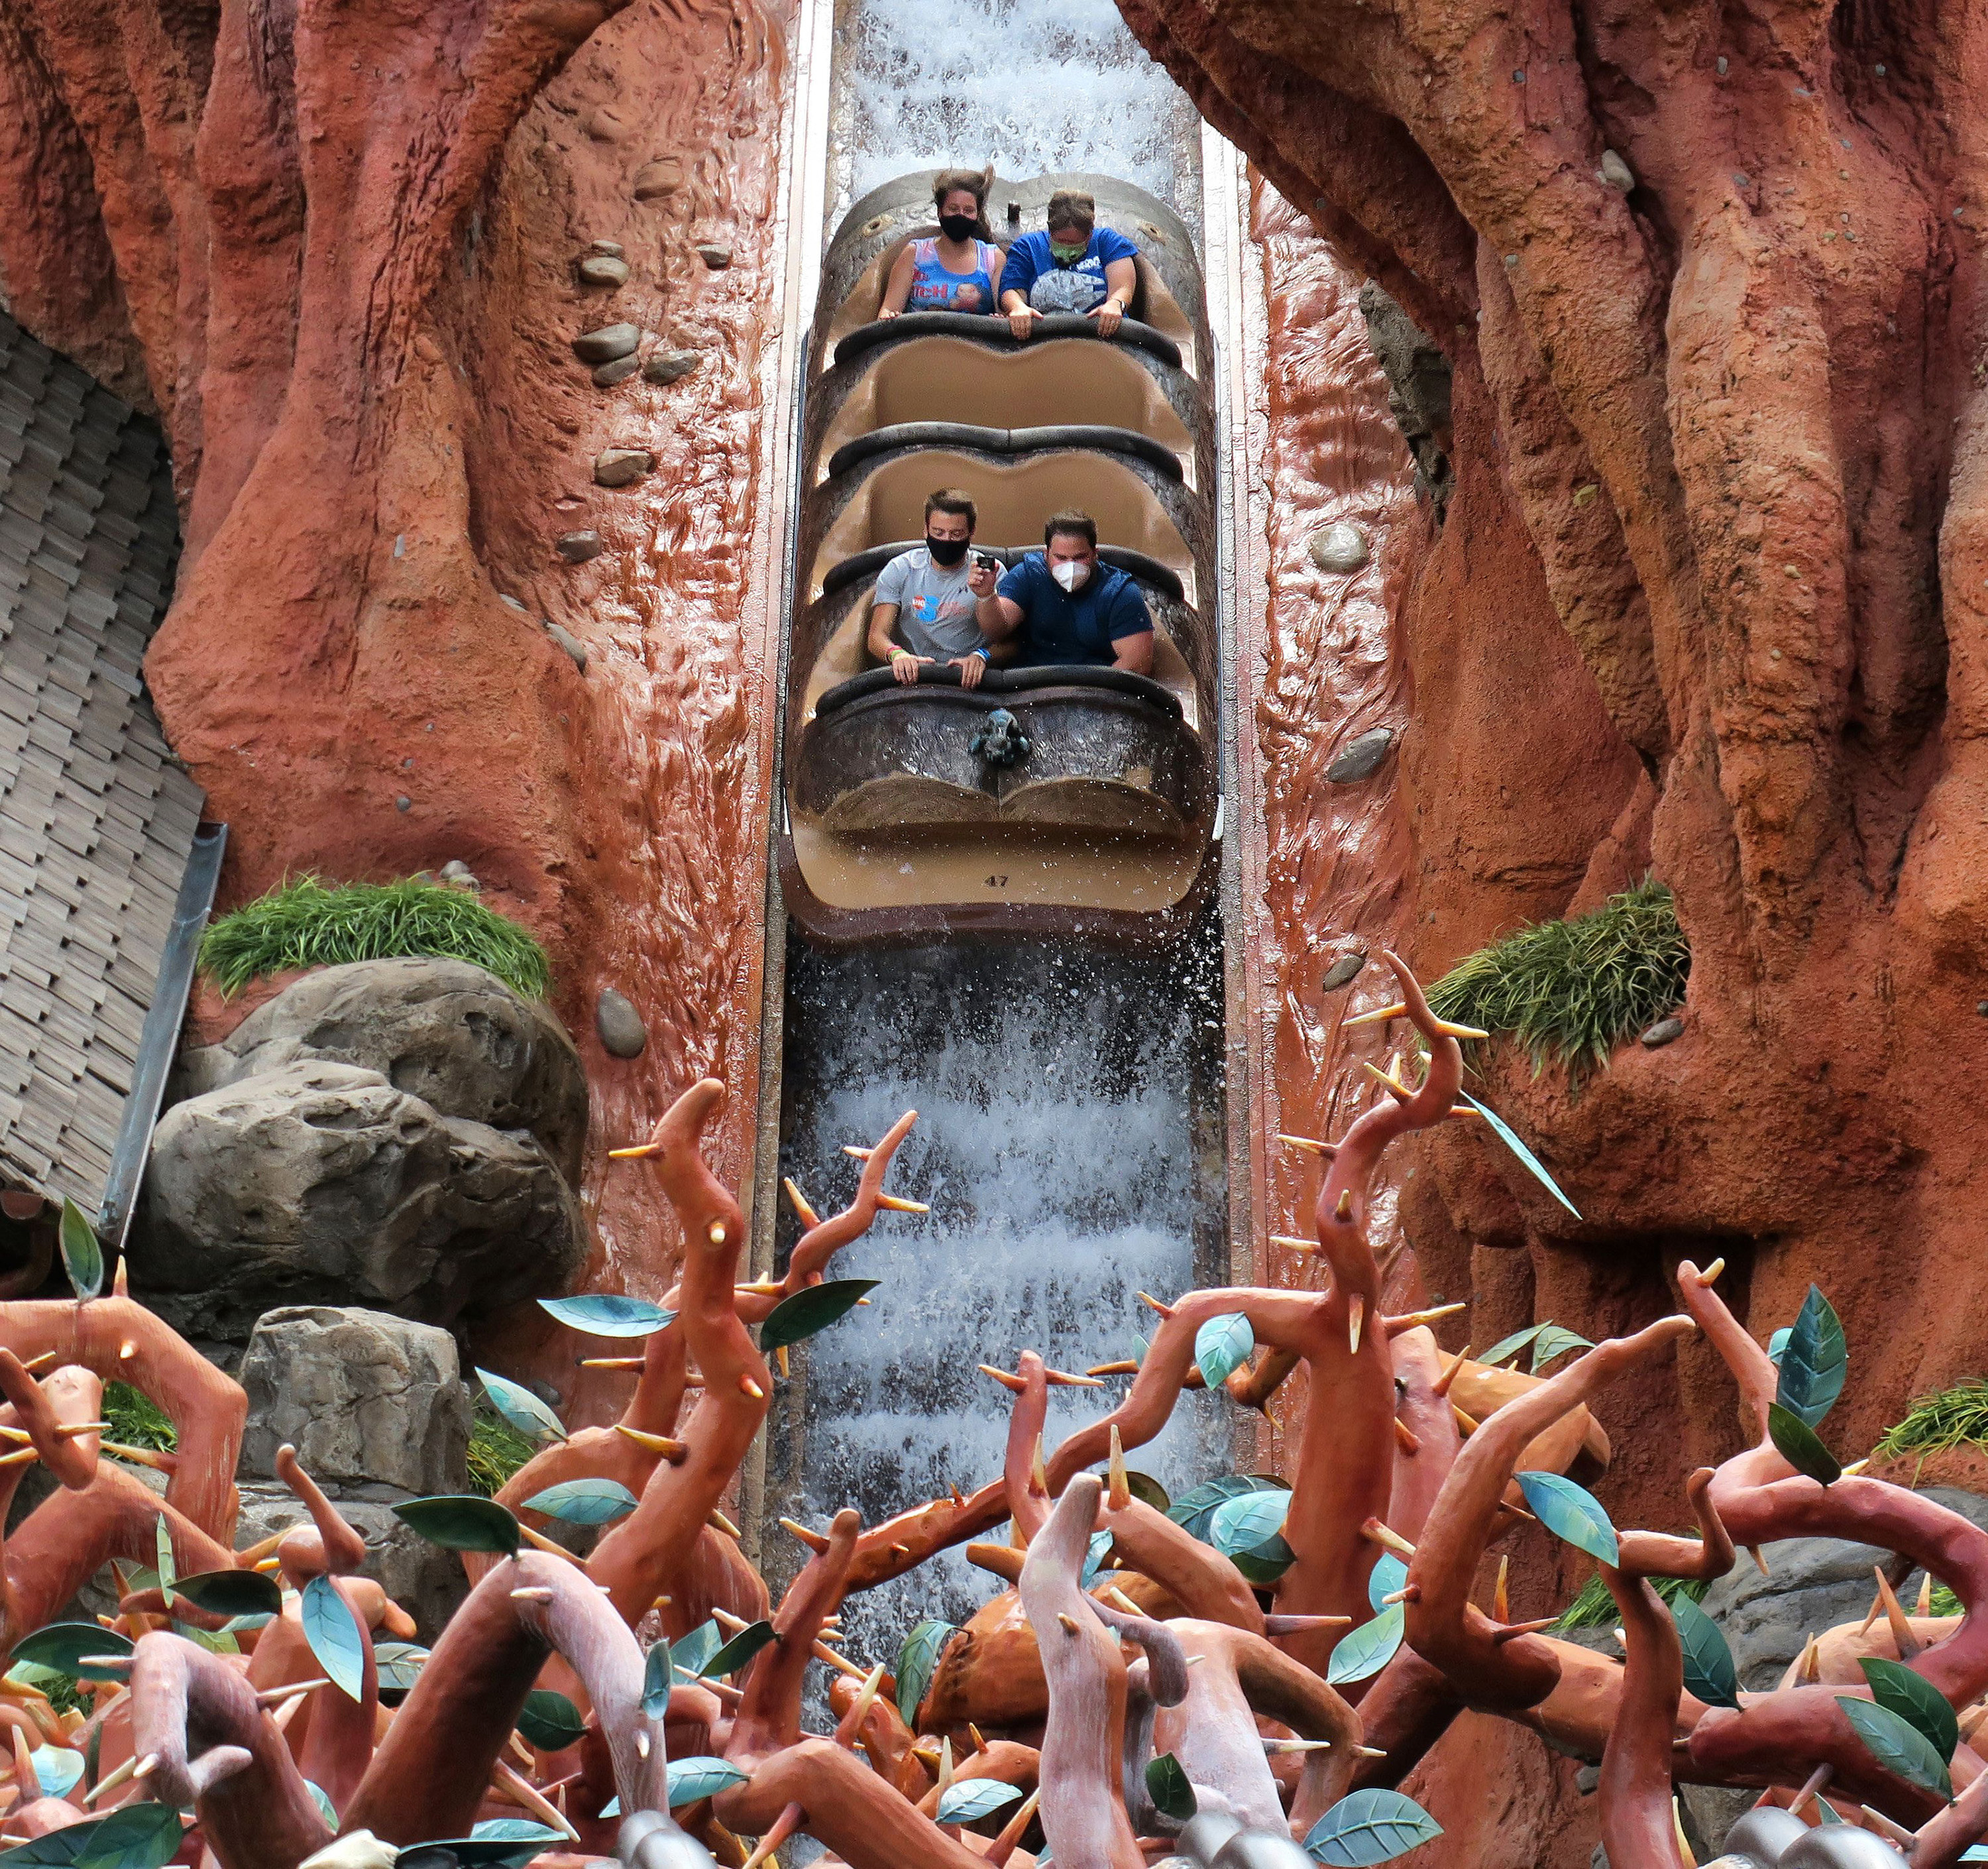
960, 270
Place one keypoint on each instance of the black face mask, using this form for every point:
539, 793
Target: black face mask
946, 551
958, 226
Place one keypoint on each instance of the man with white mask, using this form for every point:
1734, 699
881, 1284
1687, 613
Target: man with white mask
1059, 606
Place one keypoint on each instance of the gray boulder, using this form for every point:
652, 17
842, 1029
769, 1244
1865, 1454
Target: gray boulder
322, 1183
451, 1034
363, 1396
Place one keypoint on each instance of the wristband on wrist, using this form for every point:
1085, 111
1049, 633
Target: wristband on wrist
982, 653
896, 651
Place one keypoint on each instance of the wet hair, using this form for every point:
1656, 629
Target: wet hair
1072, 208
951, 499
976, 182
1071, 524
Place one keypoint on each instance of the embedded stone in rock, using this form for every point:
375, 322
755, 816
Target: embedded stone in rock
321, 1183
1360, 760
457, 874
443, 1031
607, 375
603, 270
1616, 173
622, 1032
1342, 972
717, 258
1663, 1032
653, 180
622, 466
613, 249
577, 548
1340, 546
570, 643
609, 342
363, 1397
667, 366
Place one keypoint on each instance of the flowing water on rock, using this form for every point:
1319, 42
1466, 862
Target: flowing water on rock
1069, 1141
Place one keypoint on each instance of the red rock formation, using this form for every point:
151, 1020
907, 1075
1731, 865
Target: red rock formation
1709, 283
337, 244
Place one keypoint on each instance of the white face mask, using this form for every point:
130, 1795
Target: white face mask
1070, 574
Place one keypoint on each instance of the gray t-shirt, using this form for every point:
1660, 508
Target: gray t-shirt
935, 607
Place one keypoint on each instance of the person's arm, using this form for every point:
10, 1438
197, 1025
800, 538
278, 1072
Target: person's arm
999, 618
900, 660
1132, 632
997, 264
898, 289
1121, 280
1017, 274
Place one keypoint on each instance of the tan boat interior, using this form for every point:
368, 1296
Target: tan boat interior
843, 657
1065, 380
889, 504
860, 307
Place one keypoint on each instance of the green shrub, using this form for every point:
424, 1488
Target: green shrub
136, 1420
306, 924
496, 1451
1595, 1609
1575, 990
1952, 1417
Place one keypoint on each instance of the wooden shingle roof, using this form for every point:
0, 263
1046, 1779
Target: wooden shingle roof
96, 820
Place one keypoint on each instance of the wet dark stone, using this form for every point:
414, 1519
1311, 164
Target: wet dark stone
1342, 972
622, 1032
611, 341
1663, 1032
577, 548
607, 375
1362, 759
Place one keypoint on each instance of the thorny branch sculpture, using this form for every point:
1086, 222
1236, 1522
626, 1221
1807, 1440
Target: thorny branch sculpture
1152, 1703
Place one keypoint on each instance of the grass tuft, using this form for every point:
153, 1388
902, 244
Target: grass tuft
496, 1451
307, 923
1575, 990
1595, 1609
1952, 1417
136, 1420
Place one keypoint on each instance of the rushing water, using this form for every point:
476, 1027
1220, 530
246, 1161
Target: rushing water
1069, 1142
1030, 86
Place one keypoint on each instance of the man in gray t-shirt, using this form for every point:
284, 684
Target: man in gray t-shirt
928, 597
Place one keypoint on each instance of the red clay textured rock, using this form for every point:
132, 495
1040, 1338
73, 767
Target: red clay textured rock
338, 245
1735, 413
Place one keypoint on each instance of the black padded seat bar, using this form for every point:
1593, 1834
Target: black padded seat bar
860, 565
998, 681
986, 328
1097, 437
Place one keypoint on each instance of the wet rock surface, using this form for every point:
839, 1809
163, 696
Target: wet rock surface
366, 1398
444, 1032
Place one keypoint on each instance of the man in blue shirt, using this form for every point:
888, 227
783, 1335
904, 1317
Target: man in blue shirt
1073, 266
1060, 606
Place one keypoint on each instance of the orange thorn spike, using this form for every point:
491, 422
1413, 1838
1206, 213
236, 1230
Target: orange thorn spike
1343, 1212
1356, 1315
747, 1386
1146, 1298
1441, 1385
1310, 1145
809, 1217
1501, 1605
1014, 1383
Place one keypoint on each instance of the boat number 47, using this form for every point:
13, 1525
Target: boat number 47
998, 882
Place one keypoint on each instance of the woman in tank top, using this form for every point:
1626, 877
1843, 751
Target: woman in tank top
960, 269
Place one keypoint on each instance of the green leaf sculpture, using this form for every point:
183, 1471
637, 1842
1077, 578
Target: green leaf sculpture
1364, 1651
967, 1800
692, 1779
1813, 1362
1168, 1786
740, 1650
1915, 1701
1221, 1346
232, 1592
398, 1665
1370, 1827
1570, 1513
608, 1314
462, 1521
550, 1721
1708, 1672
659, 1676
82, 1252
141, 1836
811, 1309
916, 1661
1533, 1165
1556, 1340
61, 1646
524, 1410
1389, 1574
692, 1655
1898, 1746
1194, 1508
332, 1632
1801, 1446
584, 1501
1507, 1347
1143, 1487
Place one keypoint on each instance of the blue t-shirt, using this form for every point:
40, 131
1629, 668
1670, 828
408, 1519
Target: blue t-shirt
1033, 271
1060, 627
